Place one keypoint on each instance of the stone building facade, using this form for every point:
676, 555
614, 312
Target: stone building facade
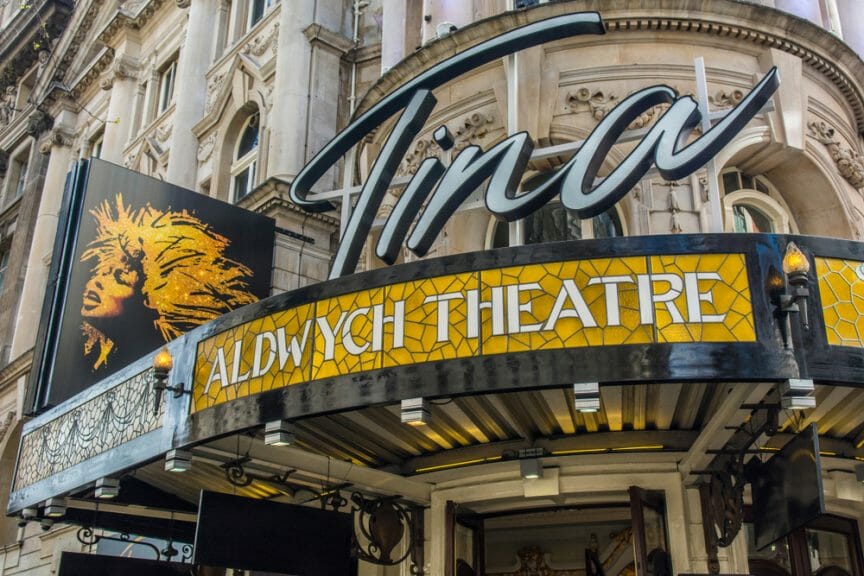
231, 98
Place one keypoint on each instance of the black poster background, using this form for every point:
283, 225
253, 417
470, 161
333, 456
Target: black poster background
134, 333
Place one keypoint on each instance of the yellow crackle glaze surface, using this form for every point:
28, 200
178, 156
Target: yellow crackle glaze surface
841, 288
556, 305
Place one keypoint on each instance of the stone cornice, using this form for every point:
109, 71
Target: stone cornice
318, 35
30, 36
733, 19
18, 367
272, 194
132, 14
92, 73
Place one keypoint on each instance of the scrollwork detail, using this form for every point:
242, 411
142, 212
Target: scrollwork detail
848, 161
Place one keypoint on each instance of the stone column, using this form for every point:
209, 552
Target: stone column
121, 80
190, 89
290, 90
807, 9
57, 143
851, 15
393, 34
304, 114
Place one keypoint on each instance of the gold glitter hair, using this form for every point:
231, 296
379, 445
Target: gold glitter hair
187, 280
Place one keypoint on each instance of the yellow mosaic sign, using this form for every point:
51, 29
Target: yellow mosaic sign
841, 288
555, 305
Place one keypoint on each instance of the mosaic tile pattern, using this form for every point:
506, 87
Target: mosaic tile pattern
121, 414
841, 288
283, 359
729, 297
557, 305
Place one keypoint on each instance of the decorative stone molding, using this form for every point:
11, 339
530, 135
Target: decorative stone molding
163, 132
205, 149
182, 4
133, 14
7, 105
214, 87
723, 99
56, 137
745, 24
598, 102
648, 117
470, 129
849, 162
38, 122
102, 63
118, 415
259, 45
319, 36
6, 424
120, 69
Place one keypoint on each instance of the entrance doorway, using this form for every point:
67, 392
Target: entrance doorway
623, 539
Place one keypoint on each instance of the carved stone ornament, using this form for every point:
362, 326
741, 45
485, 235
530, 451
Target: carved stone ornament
120, 69
38, 122
648, 117
6, 424
597, 102
205, 149
184, 3
7, 105
723, 99
56, 137
163, 132
259, 45
469, 130
214, 87
848, 161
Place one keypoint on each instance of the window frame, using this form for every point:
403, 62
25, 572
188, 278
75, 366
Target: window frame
248, 162
166, 85
250, 12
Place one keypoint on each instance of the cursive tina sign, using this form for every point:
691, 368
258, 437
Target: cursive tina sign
442, 189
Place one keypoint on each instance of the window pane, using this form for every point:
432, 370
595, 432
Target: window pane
4, 264
607, 225
256, 11
501, 237
552, 223
249, 138
166, 86
828, 549
241, 183
750, 219
21, 179
730, 182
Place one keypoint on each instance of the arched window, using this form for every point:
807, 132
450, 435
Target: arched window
751, 204
245, 160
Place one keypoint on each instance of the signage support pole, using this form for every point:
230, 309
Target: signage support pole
716, 210
515, 228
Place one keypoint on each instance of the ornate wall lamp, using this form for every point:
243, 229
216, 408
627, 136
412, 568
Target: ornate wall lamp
796, 266
162, 365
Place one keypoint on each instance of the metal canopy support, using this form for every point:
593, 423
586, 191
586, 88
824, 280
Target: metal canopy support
716, 211
515, 236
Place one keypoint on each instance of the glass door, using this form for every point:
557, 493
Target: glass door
650, 541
